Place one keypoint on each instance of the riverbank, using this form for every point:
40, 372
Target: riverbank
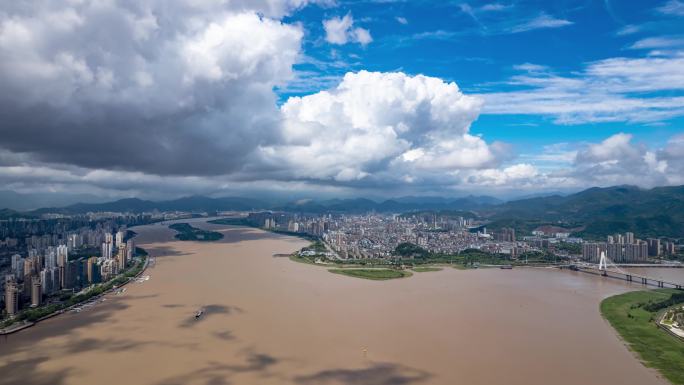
431, 329
373, 274
426, 269
93, 294
630, 316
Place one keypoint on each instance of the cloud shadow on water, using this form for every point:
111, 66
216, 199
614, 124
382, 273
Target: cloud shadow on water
211, 311
377, 374
161, 251
27, 372
225, 335
220, 374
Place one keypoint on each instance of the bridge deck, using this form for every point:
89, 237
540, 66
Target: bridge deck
625, 276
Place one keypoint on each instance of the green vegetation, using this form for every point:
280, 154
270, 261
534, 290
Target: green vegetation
630, 315
374, 274
425, 269
232, 222
189, 233
675, 298
317, 246
656, 212
571, 248
408, 249
302, 259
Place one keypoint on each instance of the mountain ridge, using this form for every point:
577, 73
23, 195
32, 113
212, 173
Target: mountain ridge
595, 211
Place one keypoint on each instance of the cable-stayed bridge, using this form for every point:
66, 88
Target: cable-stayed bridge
607, 268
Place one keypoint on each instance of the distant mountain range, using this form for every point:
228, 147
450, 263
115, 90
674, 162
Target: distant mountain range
135, 205
597, 212
397, 205
200, 203
594, 212
31, 201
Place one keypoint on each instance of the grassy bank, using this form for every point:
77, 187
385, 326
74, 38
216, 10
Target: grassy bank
628, 314
189, 233
374, 274
425, 269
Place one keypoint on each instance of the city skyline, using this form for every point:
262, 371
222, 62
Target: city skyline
340, 98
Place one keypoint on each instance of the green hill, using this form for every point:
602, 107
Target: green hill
597, 212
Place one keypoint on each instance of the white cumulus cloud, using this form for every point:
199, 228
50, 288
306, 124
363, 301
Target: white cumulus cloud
340, 30
381, 126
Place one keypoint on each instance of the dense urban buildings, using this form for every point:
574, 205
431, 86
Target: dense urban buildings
625, 248
43, 259
377, 236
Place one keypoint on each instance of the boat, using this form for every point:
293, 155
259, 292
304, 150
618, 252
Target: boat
506, 267
199, 313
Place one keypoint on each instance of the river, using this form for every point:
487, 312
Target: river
269, 320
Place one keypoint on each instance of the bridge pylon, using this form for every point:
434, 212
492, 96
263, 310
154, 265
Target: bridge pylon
603, 262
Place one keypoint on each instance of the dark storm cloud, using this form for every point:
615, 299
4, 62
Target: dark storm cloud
143, 86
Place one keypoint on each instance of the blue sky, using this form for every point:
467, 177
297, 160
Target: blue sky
480, 45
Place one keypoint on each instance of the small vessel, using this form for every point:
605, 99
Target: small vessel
199, 313
506, 267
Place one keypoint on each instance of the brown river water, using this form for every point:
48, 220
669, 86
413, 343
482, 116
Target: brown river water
273, 321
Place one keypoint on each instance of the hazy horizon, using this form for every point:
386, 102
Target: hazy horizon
31, 201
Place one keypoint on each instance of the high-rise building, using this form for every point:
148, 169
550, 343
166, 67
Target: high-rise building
30, 266
92, 265
670, 248
592, 251
130, 248
636, 252
108, 269
62, 255
91, 270
36, 292
11, 296
49, 280
616, 252
107, 249
119, 238
74, 241
507, 234
71, 276
15, 261
629, 238
50, 259
653, 247
18, 266
122, 258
